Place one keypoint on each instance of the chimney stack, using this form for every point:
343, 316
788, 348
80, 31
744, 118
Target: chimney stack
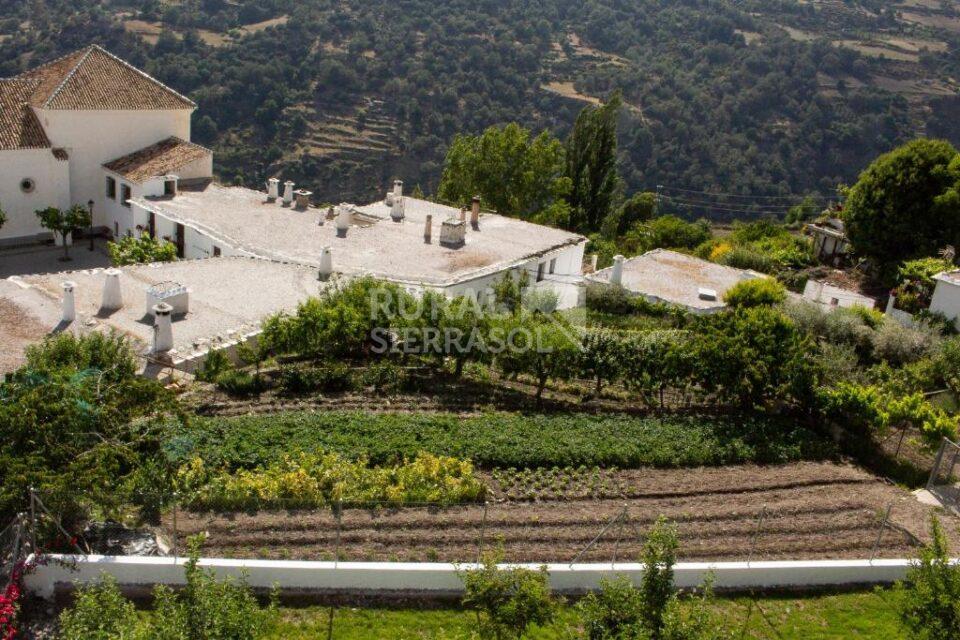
593, 261
112, 298
397, 189
303, 199
273, 189
396, 211
326, 263
475, 212
428, 229
616, 275
288, 193
162, 327
463, 214
343, 219
69, 306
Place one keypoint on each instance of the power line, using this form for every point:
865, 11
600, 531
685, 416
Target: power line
716, 194
729, 207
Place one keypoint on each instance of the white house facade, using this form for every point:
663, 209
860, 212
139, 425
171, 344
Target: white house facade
61, 122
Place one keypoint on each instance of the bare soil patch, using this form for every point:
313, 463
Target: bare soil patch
809, 510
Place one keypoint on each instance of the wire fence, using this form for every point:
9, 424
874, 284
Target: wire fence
594, 531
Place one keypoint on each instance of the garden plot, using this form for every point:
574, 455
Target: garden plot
797, 511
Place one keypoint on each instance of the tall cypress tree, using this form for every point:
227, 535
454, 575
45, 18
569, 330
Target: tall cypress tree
592, 164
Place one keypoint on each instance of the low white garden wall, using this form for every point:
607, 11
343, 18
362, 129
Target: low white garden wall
441, 579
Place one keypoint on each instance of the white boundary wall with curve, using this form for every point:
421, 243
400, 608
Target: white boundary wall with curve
441, 579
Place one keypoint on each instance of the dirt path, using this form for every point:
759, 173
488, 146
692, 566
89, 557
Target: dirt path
810, 510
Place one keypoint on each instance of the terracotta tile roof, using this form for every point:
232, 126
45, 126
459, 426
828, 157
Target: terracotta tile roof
94, 79
158, 159
19, 127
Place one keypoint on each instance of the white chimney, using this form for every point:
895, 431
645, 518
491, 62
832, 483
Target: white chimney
593, 261
428, 229
616, 275
303, 198
112, 298
343, 218
69, 306
273, 189
475, 212
326, 263
162, 328
397, 189
389, 199
396, 211
288, 192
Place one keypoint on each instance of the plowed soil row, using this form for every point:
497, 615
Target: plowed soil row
797, 511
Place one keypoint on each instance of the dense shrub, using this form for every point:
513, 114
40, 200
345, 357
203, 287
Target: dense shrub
307, 481
331, 377
143, 250
757, 292
929, 595
508, 600
498, 439
381, 377
205, 609
900, 345
239, 383
214, 363
110, 354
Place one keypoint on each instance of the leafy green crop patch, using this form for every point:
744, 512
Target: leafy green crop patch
493, 440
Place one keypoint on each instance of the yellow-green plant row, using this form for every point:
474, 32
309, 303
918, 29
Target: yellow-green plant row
315, 480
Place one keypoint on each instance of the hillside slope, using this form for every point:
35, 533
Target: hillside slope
755, 97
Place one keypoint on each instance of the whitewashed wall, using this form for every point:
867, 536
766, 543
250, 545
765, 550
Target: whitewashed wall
946, 300
51, 178
93, 138
438, 579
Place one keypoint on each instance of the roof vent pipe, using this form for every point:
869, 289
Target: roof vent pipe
428, 229
162, 327
288, 193
112, 298
273, 189
69, 305
475, 212
326, 263
616, 275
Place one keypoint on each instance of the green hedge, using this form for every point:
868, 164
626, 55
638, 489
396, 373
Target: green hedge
499, 439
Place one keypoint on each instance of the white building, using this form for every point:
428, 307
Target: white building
664, 276
832, 296
946, 296
61, 122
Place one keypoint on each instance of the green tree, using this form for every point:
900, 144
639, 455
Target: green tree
63, 223
601, 356
755, 292
592, 165
513, 173
665, 232
613, 612
544, 349
905, 205
507, 601
930, 596
806, 209
143, 250
640, 207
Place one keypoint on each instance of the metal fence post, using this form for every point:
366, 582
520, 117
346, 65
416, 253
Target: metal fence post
936, 464
483, 530
33, 521
176, 531
756, 534
339, 516
883, 525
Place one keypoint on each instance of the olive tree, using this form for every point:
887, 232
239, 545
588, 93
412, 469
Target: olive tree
64, 223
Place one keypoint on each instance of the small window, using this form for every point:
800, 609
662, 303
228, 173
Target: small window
116, 229
540, 269
169, 187
216, 251
111, 188
27, 185
125, 195
553, 265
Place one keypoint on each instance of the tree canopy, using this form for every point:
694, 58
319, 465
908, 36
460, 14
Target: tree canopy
906, 203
